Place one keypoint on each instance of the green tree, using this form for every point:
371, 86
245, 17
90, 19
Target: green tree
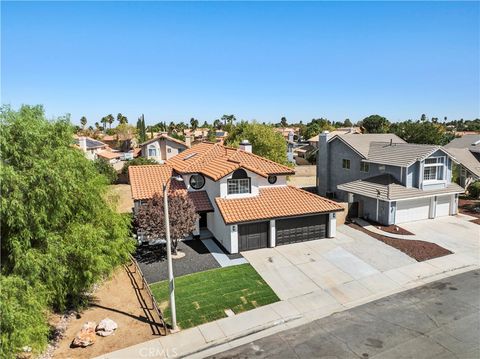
141, 129
375, 124
266, 142
110, 120
422, 132
283, 122
106, 169
193, 123
316, 126
347, 123
60, 232
83, 122
139, 161
121, 119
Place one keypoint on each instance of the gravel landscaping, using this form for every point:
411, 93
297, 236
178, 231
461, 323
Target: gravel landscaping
418, 250
394, 229
153, 262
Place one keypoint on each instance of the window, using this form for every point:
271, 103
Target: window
364, 167
433, 169
169, 150
197, 181
346, 164
239, 183
272, 179
152, 151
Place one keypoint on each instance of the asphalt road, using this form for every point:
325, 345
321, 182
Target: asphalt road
439, 320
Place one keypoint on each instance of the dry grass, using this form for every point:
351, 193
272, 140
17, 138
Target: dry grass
124, 196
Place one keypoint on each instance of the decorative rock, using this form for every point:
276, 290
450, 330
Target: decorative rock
86, 336
106, 327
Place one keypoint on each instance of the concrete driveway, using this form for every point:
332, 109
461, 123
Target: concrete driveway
354, 266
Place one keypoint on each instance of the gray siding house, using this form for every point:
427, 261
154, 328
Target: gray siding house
466, 150
385, 179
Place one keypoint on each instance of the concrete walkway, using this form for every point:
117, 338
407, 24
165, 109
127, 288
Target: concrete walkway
220, 256
373, 229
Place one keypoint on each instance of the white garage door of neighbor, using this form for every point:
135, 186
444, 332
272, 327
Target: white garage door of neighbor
412, 210
443, 206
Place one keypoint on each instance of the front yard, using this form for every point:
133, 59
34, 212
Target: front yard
203, 297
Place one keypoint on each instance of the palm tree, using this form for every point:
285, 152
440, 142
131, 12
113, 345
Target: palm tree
193, 123
83, 121
110, 120
97, 126
121, 119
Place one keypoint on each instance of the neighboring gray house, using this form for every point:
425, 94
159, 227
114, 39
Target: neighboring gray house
466, 150
386, 179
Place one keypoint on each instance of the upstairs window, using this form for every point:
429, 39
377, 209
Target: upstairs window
364, 167
239, 183
433, 169
346, 164
152, 151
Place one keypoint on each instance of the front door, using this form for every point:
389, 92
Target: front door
203, 220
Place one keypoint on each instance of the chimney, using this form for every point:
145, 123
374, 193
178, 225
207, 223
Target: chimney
323, 161
246, 146
188, 141
82, 143
290, 136
391, 142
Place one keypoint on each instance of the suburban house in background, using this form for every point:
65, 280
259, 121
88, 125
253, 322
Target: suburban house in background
242, 199
338, 131
466, 150
385, 179
162, 148
89, 146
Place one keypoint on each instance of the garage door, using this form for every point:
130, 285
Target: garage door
443, 206
412, 210
301, 229
253, 236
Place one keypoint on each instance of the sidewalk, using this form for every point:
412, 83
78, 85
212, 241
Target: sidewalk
208, 339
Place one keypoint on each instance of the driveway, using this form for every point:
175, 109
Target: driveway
354, 266
438, 320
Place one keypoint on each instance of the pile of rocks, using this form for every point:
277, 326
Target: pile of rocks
86, 336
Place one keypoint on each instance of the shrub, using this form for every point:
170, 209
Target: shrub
474, 189
139, 161
105, 168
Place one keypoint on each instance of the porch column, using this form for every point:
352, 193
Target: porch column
233, 238
196, 231
433, 207
454, 204
332, 225
272, 234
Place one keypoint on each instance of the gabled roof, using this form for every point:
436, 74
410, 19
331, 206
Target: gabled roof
216, 161
165, 137
339, 131
470, 142
361, 143
386, 188
147, 180
469, 159
399, 154
274, 202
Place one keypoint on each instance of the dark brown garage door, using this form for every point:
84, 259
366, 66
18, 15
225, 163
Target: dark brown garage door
301, 229
253, 236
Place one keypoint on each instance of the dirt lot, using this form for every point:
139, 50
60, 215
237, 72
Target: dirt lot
305, 176
115, 299
124, 195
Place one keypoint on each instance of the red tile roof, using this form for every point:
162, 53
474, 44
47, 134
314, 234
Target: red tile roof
274, 202
109, 154
147, 180
216, 161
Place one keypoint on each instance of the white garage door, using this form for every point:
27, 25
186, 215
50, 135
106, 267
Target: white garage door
412, 210
443, 206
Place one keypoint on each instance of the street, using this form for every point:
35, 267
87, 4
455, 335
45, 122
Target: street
437, 320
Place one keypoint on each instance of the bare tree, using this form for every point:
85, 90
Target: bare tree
150, 218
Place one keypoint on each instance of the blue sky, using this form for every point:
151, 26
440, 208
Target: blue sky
174, 61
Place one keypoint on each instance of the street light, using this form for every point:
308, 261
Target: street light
171, 283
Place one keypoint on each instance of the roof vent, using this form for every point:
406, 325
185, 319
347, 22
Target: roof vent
189, 156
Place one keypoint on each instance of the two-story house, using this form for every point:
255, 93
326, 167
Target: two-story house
242, 199
385, 179
162, 148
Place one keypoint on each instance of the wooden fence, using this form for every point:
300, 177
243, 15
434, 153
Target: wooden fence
146, 287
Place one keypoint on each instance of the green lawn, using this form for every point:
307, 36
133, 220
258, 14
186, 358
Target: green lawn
202, 297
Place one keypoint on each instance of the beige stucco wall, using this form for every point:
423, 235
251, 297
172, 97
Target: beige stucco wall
342, 215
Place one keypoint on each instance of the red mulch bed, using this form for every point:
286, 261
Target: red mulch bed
394, 229
418, 250
468, 206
